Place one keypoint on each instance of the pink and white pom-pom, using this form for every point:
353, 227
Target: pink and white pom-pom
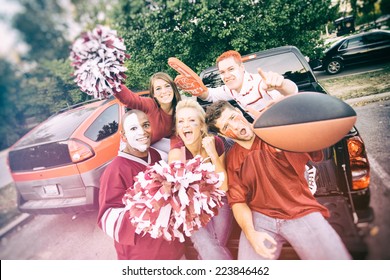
174, 200
98, 57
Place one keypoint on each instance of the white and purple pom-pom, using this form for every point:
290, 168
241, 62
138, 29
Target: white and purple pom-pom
98, 57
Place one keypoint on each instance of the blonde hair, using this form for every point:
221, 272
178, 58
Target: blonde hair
192, 104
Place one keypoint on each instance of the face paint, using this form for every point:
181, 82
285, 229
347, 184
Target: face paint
234, 125
192, 123
230, 133
137, 131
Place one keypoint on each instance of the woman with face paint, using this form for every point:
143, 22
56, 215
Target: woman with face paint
209, 241
119, 175
159, 107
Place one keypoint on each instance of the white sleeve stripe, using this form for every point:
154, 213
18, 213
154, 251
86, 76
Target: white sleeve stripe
119, 223
111, 221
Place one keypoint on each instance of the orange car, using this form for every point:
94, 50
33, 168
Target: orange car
57, 165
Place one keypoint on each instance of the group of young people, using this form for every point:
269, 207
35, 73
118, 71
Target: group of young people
266, 189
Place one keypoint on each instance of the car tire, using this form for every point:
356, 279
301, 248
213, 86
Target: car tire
334, 66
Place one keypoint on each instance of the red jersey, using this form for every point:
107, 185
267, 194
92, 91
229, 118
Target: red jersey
115, 221
271, 182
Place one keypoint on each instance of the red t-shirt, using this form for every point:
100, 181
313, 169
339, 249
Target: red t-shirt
113, 219
161, 122
271, 182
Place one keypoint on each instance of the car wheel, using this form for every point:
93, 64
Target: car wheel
334, 66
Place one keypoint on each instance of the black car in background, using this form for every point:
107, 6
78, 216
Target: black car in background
359, 48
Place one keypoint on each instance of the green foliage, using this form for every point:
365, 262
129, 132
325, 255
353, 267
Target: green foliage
89, 13
41, 28
385, 7
49, 88
9, 114
29, 98
368, 10
197, 32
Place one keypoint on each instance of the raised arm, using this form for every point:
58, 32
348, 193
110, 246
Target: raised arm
187, 79
209, 145
133, 101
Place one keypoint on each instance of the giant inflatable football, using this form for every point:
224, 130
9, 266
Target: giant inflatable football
305, 122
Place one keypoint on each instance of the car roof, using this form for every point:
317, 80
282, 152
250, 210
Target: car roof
363, 33
339, 41
60, 126
269, 52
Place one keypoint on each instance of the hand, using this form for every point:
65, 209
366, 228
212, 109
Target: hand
271, 80
208, 144
258, 241
189, 85
188, 80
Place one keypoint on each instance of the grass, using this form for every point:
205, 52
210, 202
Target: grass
359, 85
8, 206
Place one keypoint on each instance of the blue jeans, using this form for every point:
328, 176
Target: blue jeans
210, 241
311, 236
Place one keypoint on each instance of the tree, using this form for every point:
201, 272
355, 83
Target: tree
10, 116
385, 7
48, 88
42, 28
89, 13
198, 31
47, 85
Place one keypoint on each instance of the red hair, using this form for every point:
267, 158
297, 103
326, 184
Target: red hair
236, 55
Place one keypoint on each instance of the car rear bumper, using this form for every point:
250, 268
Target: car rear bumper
64, 194
88, 202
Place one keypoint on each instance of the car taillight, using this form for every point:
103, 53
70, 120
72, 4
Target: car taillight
360, 166
79, 151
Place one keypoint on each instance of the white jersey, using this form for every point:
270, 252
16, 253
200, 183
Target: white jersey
251, 93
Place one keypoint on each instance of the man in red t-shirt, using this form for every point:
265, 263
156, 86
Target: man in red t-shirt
113, 218
269, 194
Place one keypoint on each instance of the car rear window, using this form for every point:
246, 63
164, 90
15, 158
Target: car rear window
286, 64
56, 128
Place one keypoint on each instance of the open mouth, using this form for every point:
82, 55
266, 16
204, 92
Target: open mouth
187, 134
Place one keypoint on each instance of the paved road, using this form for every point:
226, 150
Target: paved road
376, 133
58, 237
